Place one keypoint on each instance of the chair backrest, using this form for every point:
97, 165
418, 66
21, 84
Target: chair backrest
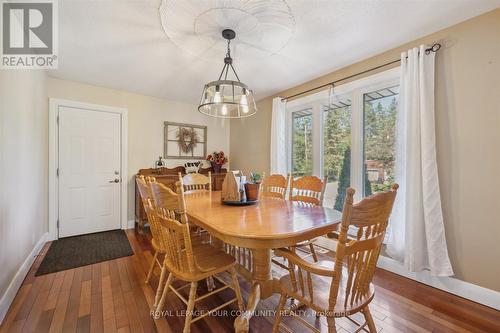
196, 182
174, 235
147, 201
166, 200
307, 189
144, 189
274, 186
370, 216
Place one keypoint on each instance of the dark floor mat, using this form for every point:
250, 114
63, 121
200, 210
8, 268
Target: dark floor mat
71, 252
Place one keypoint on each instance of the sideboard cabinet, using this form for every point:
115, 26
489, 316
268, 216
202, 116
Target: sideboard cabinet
169, 177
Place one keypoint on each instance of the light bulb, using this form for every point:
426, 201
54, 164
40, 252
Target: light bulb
244, 103
223, 111
243, 100
217, 98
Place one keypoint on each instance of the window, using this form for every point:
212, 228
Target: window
336, 150
379, 110
348, 137
302, 148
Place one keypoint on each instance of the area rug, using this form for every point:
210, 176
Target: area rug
76, 251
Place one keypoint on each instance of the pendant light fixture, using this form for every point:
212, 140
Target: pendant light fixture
227, 98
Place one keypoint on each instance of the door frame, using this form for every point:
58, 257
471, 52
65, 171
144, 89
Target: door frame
54, 105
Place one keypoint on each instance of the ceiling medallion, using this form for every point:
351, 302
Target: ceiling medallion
227, 98
263, 27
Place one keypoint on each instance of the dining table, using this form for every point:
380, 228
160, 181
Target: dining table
251, 232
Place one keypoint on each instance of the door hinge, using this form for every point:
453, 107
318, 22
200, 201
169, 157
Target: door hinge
57, 224
57, 172
57, 119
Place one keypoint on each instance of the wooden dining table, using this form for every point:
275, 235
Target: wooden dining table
250, 233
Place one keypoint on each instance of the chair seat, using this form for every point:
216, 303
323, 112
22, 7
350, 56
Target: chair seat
306, 242
321, 292
195, 241
210, 261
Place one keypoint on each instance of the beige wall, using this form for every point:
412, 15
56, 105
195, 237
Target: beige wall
468, 140
23, 169
145, 123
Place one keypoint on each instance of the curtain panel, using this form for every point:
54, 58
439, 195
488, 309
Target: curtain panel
279, 160
417, 234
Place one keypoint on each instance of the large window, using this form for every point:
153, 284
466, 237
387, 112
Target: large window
347, 137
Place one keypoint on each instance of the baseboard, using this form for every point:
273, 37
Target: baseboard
130, 224
15, 284
451, 285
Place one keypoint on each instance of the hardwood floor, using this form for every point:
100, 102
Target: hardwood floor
111, 297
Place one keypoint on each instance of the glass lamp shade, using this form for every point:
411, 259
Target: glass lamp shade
227, 99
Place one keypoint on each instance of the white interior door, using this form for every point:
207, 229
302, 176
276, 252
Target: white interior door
89, 171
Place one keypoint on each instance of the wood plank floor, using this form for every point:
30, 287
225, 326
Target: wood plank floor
111, 297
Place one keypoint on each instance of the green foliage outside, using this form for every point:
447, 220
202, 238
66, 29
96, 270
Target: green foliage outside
345, 181
379, 144
380, 137
336, 140
379, 141
302, 145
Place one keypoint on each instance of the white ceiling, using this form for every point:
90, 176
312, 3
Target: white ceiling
121, 44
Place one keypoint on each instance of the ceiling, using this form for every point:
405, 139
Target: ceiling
171, 53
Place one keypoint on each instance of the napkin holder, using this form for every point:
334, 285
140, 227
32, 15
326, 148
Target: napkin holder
230, 188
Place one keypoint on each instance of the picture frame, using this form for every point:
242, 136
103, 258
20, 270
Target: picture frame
172, 143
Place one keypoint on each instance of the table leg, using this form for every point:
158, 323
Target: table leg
262, 288
241, 324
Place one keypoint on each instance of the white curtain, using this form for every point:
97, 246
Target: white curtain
417, 236
279, 160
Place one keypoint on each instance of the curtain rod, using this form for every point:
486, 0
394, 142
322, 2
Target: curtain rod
434, 48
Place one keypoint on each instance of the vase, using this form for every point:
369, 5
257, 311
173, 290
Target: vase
216, 167
252, 191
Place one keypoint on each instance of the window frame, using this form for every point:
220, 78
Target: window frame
354, 90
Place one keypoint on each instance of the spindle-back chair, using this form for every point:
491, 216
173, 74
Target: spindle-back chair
350, 281
190, 263
196, 182
308, 190
274, 186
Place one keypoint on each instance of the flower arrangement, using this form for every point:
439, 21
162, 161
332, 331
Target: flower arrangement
217, 158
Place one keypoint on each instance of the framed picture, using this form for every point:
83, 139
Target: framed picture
185, 141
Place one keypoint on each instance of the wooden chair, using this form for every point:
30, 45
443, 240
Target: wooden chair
308, 190
349, 282
274, 186
147, 200
196, 182
189, 263
146, 185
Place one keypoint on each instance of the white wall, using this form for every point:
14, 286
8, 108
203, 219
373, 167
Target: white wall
23, 174
145, 118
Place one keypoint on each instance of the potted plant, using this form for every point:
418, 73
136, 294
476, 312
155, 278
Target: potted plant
217, 160
252, 187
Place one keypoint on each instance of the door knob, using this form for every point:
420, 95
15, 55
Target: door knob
116, 180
